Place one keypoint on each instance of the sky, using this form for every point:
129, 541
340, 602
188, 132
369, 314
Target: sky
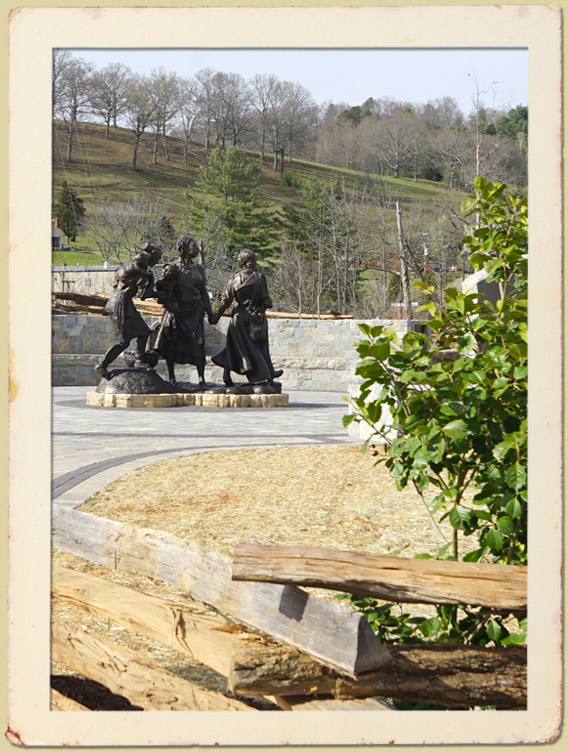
353, 75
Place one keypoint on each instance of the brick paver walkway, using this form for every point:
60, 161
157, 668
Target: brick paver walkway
92, 446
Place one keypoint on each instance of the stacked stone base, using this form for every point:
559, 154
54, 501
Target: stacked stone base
177, 400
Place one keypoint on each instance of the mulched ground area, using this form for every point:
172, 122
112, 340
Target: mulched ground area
316, 496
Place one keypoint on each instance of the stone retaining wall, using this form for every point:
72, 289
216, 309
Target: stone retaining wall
315, 354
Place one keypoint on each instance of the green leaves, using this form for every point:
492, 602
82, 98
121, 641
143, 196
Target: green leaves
458, 406
456, 429
516, 476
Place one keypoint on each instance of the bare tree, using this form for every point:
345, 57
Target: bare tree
455, 150
118, 228
206, 101
277, 125
144, 213
61, 59
394, 139
140, 106
165, 93
107, 227
293, 280
109, 88
71, 94
479, 128
187, 115
263, 91
299, 110
233, 108
442, 112
289, 113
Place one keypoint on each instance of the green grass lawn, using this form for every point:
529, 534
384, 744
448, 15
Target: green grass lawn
73, 257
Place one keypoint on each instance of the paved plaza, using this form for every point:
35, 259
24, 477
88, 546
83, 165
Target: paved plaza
94, 446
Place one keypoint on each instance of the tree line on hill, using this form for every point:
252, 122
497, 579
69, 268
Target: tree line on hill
349, 244
384, 136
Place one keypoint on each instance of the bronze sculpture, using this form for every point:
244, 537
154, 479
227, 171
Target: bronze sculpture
134, 278
182, 291
246, 349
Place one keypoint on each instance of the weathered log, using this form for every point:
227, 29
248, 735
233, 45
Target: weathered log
449, 675
210, 639
288, 315
85, 300
396, 579
290, 672
328, 631
125, 672
78, 307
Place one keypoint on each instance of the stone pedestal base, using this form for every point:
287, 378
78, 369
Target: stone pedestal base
176, 400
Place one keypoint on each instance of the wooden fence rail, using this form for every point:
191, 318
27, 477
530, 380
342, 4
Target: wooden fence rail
448, 675
329, 662
329, 631
130, 675
208, 638
500, 587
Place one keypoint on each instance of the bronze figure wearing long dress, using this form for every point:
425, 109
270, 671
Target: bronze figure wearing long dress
246, 349
182, 291
135, 278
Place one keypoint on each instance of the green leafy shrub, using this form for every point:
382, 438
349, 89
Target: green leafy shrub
458, 402
450, 624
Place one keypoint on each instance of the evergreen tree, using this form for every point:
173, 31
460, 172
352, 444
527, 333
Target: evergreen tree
226, 211
515, 125
70, 210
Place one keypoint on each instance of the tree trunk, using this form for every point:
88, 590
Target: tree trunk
404, 272
135, 153
155, 154
263, 140
165, 145
70, 141
282, 160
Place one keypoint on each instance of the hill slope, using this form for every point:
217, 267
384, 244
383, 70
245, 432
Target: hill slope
102, 168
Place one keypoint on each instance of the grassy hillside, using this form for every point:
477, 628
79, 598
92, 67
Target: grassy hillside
102, 168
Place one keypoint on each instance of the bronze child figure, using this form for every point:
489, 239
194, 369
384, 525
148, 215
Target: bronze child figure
246, 349
134, 278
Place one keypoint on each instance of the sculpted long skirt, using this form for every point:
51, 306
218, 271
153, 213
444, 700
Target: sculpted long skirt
246, 349
181, 336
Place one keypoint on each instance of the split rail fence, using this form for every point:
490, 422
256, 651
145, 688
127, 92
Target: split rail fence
305, 653
73, 303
